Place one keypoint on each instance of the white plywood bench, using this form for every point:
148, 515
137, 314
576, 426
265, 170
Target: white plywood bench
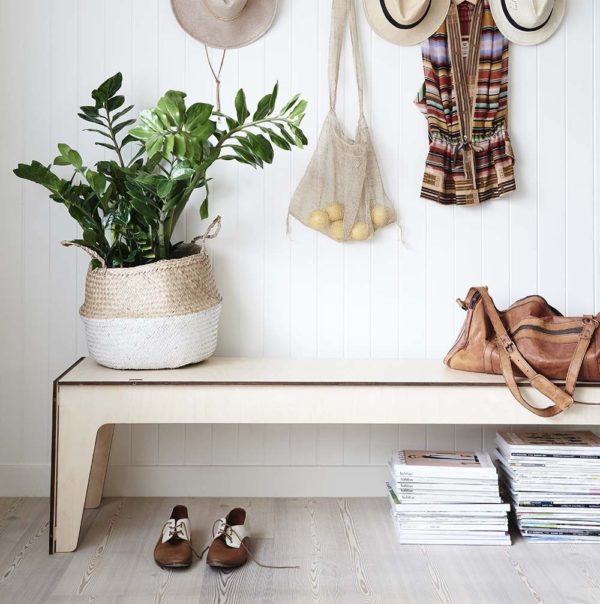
90, 399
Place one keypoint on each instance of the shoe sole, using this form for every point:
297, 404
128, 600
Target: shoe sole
172, 566
216, 564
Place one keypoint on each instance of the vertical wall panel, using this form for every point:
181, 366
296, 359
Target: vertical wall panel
330, 256
36, 238
384, 116
145, 90
118, 57
12, 227
299, 294
278, 189
303, 274
596, 125
579, 158
524, 125
171, 76
552, 161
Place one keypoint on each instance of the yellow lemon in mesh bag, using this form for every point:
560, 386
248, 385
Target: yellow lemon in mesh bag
360, 231
336, 230
318, 220
335, 210
380, 215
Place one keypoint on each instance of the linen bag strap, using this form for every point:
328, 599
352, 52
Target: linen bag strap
344, 12
509, 354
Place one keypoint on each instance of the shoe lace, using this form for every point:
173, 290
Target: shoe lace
221, 528
176, 528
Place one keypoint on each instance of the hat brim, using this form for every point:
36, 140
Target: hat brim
527, 38
251, 24
406, 37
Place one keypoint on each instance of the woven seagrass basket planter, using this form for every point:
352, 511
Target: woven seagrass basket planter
156, 316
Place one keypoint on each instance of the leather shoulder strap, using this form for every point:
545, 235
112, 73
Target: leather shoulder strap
509, 354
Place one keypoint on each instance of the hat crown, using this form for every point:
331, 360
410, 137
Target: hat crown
227, 10
407, 12
530, 13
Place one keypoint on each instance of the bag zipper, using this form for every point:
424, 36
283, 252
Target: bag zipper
566, 331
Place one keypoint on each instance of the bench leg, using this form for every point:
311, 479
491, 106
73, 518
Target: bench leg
99, 466
75, 451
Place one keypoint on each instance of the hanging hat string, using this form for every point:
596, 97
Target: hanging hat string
216, 75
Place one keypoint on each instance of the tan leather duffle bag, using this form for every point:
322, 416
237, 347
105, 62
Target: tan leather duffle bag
531, 340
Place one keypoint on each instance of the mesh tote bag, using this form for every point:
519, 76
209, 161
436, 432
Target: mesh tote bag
342, 195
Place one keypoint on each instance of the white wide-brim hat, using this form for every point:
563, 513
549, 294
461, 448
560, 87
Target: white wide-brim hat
528, 22
406, 22
225, 23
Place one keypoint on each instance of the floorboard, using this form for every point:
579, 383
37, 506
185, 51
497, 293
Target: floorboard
345, 549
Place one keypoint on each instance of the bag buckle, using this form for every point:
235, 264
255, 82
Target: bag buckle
507, 343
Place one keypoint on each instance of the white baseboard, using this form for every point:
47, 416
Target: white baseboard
212, 481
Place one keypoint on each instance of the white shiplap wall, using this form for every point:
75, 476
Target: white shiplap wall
300, 295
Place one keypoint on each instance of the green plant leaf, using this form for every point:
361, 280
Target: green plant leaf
90, 111
247, 156
102, 132
299, 136
154, 145
118, 127
70, 155
107, 145
93, 120
279, 141
262, 147
115, 102
164, 188
96, 181
290, 103
263, 108
179, 145
142, 133
40, 174
204, 131
274, 94
107, 89
150, 120
241, 108
204, 208
299, 109
197, 115
121, 113
172, 105
182, 172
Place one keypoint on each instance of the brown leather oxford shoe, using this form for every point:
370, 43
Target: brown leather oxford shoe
174, 547
232, 538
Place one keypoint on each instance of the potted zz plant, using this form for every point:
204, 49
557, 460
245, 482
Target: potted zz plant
151, 303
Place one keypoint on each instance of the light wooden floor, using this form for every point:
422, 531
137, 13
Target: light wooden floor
345, 547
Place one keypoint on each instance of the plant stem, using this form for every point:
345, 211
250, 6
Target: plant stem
162, 243
114, 138
243, 127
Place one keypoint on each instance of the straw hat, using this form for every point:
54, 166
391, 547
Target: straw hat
528, 21
406, 22
225, 23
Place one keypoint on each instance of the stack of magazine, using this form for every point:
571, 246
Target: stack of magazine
447, 497
553, 479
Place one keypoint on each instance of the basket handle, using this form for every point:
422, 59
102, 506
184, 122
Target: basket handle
87, 250
211, 232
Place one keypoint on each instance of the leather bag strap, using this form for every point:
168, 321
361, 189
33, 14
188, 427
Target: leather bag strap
585, 339
509, 355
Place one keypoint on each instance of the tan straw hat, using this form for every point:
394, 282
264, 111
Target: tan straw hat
406, 22
528, 21
225, 23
